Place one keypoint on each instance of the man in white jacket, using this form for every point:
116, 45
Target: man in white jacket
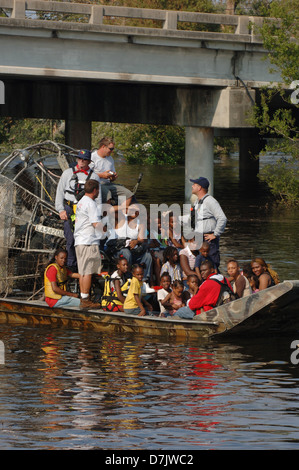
210, 220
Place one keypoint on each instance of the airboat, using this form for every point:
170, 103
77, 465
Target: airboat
31, 230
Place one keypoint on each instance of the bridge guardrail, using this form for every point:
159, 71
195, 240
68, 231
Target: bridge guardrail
96, 14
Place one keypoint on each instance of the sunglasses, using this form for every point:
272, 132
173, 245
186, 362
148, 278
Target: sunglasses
110, 148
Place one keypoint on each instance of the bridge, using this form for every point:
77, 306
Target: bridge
86, 67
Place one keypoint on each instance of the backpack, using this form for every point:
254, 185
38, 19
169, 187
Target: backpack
109, 299
226, 294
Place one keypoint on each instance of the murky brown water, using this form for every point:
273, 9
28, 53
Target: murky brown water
64, 389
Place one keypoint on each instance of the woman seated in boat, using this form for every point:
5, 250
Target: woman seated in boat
128, 239
239, 283
55, 281
267, 277
117, 286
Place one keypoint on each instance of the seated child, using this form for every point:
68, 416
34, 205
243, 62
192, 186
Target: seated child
166, 289
202, 256
193, 286
171, 263
253, 280
156, 247
55, 279
134, 303
173, 239
117, 286
188, 256
176, 299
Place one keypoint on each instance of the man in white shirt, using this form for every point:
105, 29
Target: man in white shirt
88, 232
210, 219
103, 166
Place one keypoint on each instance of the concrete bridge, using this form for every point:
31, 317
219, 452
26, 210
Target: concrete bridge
92, 69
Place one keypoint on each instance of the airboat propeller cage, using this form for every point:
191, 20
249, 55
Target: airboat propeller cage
30, 227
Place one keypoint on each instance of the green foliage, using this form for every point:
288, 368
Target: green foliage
21, 133
281, 40
283, 181
144, 144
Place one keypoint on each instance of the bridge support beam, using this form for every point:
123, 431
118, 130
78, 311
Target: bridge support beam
250, 145
199, 157
78, 134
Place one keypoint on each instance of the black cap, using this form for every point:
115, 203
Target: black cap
204, 182
84, 154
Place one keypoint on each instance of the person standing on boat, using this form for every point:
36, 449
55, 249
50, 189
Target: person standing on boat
69, 191
103, 166
55, 280
209, 218
87, 234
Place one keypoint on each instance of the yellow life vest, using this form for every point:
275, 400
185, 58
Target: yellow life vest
61, 280
110, 296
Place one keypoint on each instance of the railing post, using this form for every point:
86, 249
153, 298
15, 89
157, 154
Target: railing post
243, 25
97, 13
18, 10
171, 21
256, 23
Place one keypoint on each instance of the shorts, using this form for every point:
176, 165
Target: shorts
88, 259
114, 191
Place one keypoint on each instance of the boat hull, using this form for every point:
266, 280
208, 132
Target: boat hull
273, 310
18, 312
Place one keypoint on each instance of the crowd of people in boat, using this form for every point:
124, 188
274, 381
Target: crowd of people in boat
160, 273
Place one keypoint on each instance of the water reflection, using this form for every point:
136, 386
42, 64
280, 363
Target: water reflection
81, 390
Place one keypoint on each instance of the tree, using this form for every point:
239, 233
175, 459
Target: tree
280, 122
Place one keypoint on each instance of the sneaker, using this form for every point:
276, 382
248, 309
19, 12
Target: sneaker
146, 289
86, 304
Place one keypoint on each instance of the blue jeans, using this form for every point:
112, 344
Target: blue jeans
69, 236
67, 301
185, 312
132, 311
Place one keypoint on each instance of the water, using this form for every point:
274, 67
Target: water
62, 390
79, 390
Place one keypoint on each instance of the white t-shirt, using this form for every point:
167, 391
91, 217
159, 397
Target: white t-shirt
100, 164
86, 215
161, 294
191, 257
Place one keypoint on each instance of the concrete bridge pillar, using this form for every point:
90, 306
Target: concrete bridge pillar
78, 134
199, 157
250, 145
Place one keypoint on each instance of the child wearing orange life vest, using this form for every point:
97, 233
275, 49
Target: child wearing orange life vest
55, 279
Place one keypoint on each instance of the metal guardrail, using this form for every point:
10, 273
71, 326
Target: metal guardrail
96, 14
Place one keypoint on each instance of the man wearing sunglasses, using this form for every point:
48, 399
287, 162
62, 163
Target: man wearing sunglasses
103, 165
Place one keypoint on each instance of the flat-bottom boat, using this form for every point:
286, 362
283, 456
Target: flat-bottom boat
273, 310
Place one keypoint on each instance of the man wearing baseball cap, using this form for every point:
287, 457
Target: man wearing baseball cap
210, 219
69, 191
